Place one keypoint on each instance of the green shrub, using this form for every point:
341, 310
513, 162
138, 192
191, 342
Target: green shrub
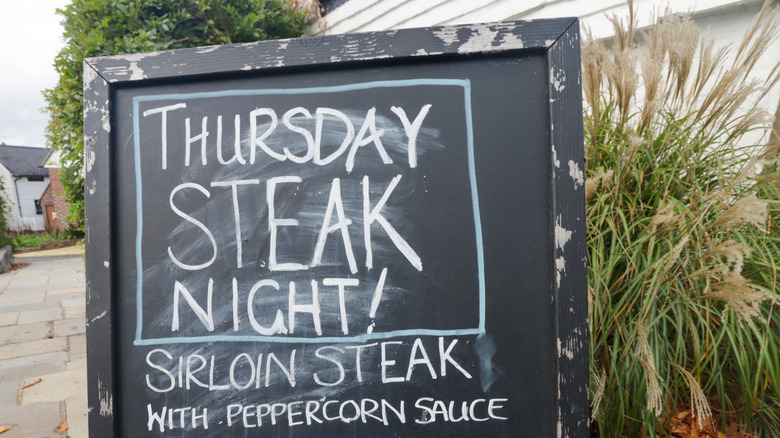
112, 27
683, 234
31, 240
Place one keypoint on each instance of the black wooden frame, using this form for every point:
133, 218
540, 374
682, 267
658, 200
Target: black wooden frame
559, 38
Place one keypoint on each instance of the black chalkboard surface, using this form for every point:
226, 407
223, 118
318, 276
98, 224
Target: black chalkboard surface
360, 235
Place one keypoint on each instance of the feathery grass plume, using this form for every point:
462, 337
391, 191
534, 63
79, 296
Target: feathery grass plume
664, 215
741, 296
748, 210
733, 251
600, 380
683, 235
654, 401
700, 407
601, 179
683, 38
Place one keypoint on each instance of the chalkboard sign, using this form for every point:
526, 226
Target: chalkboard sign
360, 235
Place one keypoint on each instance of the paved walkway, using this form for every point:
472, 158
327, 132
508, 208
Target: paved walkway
43, 378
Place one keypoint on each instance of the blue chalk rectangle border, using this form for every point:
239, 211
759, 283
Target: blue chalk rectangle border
464, 83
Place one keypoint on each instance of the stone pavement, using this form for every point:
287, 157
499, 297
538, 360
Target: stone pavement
43, 365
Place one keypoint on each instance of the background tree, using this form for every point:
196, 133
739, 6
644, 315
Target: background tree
111, 27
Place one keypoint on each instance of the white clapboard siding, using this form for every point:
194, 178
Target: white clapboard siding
20, 213
375, 15
724, 20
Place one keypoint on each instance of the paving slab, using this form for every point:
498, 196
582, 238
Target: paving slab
11, 379
69, 298
40, 420
78, 364
30, 348
78, 419
49, 314
42, 335
78, 311
70, 327
77, 346
25, 306
32, 297
25, 332
58, 386
22, 285
9, 318
35, 360
66, 291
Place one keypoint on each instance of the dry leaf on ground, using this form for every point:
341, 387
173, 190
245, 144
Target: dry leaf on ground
63, 427
33, 383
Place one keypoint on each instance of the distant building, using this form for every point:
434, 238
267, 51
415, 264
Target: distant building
24, 181
55, 208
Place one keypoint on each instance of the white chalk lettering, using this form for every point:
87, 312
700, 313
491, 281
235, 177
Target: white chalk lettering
342, 283
278, 324
334, 201
189, 140
375, 215
237, 156
369, 125
321, 355
313, 308
195, 222
286, 119
236, 212
260, 141
350, 134
274, 223
164, 140
159, 368
206, 317
412, 130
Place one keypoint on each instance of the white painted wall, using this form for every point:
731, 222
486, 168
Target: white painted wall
725, 20
28, 192
21, 215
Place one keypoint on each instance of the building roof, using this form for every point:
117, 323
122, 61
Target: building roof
23, 160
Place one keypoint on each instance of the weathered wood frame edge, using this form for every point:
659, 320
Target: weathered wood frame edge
99, 269
570, 304
559, 37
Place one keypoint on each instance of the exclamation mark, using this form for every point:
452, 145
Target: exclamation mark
377, 298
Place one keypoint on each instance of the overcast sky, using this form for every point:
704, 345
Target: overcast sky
30, 37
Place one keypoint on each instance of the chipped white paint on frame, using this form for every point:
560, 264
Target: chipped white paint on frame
481, 40
207, 49
512, 40
136, 73
89, 76
560, 268
557, 79
105, 117
448, 35
576, 174
90, 161
106, 401
555, 159
103, 314
562, 237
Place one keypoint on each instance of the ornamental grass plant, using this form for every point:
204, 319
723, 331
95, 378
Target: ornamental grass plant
683, 203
